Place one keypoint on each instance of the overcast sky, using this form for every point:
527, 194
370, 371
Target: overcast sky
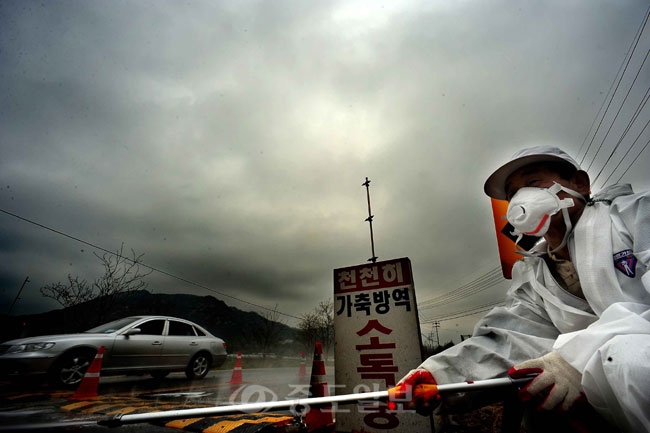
227, 141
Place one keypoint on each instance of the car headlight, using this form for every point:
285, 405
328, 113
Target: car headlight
30, 347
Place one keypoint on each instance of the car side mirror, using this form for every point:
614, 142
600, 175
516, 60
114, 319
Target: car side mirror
132, 331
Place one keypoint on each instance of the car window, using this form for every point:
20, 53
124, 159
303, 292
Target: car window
107, 328
199, 331
180, 328
152, 327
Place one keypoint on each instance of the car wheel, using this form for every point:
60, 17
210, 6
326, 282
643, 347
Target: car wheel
159, 374
198, 366
71, 367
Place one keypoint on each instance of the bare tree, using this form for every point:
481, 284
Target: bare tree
318, 325
122, 275
73, 293
325, 311
309, 324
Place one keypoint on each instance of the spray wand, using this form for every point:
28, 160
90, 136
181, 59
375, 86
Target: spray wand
300, 405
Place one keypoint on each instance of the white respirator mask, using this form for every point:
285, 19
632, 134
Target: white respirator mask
530, 211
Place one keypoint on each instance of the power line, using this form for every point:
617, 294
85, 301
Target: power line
630, 148
472, 283
464, 313
169, 274
478, 285
634, 160
624, 67
635, 115
461, 296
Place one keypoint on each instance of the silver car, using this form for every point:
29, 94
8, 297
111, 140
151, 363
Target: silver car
141, 344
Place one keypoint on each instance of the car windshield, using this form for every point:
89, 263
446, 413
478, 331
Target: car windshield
113, 326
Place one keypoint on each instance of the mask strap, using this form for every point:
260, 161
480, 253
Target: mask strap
525, 253
567, 220
567, 232
569, 228
557, 188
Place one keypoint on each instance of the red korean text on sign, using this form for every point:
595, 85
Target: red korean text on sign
364, 277
378, 364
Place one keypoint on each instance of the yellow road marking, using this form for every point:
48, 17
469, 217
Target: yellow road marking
182, 423
227, 425
78, 405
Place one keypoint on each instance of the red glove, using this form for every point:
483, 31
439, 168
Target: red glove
424, 399
558, 380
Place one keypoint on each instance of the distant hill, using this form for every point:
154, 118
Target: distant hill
241, 330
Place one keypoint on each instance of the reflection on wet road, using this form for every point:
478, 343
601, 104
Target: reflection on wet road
36, 407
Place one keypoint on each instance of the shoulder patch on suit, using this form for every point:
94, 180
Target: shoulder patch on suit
625, 261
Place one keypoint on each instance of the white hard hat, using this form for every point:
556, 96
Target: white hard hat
495, 185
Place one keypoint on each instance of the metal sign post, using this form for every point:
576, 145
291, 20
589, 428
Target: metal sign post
369, 219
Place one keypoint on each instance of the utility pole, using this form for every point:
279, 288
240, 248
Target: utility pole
369, 219
17, 295
436, 325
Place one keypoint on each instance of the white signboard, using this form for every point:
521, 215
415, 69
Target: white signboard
377, 342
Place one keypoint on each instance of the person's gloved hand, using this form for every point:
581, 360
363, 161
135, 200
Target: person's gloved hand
556, 377
421, 399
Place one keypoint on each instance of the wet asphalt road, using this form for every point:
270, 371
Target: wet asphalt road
36, 408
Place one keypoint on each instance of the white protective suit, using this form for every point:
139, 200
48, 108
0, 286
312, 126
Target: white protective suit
606, 337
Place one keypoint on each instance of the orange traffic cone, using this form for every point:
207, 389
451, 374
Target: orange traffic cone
302, 371
236, 372
90, 382
322, 416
